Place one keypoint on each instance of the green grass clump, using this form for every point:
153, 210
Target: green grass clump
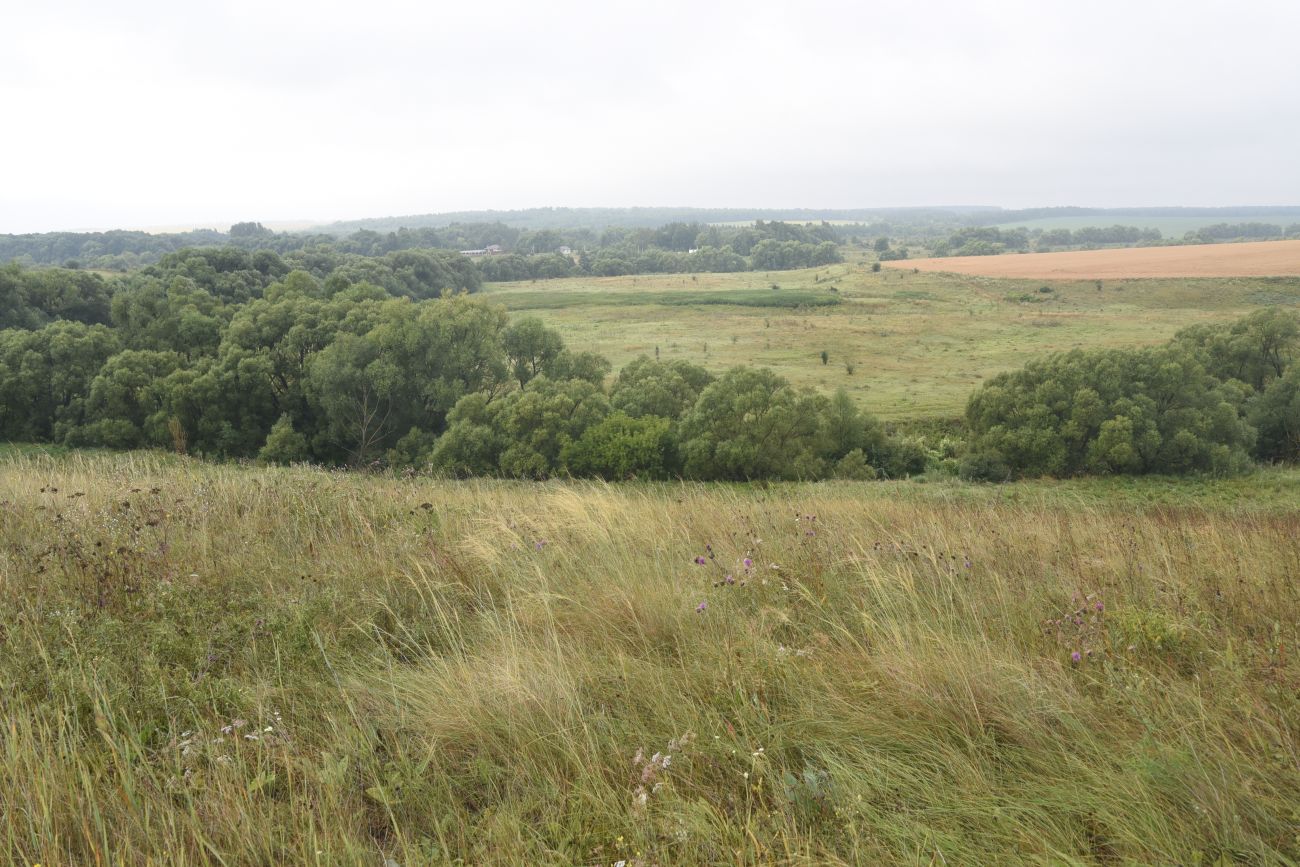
216, 664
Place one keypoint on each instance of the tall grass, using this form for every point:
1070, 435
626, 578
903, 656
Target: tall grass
204, 664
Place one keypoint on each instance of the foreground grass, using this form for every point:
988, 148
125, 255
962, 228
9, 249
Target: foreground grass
205, 664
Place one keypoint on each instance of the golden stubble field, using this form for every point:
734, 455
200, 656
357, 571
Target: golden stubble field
1254, 259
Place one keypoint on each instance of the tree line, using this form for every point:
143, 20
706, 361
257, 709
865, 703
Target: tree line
344, 371
992, 240
531, 254
1213, 399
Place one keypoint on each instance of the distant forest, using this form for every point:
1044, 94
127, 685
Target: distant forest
562, 242
515, 254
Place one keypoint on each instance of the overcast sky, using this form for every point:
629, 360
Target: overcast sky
133, 113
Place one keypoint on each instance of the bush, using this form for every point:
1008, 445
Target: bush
854, 466
987, 466
284, 445
621, 447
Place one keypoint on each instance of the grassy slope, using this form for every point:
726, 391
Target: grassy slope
920, 342
425, 671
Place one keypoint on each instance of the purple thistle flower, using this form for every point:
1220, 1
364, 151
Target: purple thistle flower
729, 580
1075, 657
749, 564
1099, 606
539, 544
700, 561
699, 609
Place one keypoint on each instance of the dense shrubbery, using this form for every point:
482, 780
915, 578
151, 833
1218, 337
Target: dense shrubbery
343, 372
1211, 400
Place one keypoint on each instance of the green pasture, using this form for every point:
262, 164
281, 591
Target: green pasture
917, 343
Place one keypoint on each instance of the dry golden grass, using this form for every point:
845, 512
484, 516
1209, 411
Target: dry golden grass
208, 664
1250, 259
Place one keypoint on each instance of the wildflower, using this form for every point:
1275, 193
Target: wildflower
729, 580
539, 544
700, 561
749, 564
1076, 657
1099, 606
699, 609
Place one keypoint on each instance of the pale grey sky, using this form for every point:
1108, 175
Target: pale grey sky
142, 113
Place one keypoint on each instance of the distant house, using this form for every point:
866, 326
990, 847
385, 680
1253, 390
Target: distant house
489, 250
566, 251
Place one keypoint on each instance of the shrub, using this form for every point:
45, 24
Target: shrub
284, 445
621, 447
984, 466
854, 466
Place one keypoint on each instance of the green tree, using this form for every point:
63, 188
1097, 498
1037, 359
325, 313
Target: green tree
1275, 413
658, 388
530, 346
357, 390
621, 447
753, 424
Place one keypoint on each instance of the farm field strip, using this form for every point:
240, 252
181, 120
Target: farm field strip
1252, 259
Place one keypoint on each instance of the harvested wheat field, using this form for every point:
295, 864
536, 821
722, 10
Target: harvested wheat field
1255, 259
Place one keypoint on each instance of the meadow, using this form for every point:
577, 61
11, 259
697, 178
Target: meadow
221, 664
918, 343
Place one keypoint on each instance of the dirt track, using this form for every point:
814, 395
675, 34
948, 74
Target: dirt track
1255, 259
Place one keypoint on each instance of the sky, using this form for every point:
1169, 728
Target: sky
137, 113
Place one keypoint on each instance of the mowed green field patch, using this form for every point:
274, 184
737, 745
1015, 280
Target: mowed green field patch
905, 345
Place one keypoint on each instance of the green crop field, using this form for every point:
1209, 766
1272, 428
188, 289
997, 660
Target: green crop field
918, 343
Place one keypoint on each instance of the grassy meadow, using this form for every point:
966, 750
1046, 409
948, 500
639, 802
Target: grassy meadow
918, 344
221, 664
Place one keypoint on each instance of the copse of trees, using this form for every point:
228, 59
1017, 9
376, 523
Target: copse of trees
1096, 236
31, 298
1210, 400
225, 357
1237, 232
983, 241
